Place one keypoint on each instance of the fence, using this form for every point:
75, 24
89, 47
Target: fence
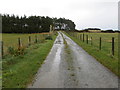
18, 41
104, 42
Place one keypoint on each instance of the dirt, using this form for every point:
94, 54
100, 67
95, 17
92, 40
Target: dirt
69, 66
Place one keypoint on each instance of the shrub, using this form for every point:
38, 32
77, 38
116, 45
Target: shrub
11, 50
16, 52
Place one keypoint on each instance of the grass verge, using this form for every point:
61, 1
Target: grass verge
68, 55
107, 61
19, 71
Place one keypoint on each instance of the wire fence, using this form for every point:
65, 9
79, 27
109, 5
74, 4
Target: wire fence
104, 42
18, 41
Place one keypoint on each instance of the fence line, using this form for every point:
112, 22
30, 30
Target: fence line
20, 43
100, 45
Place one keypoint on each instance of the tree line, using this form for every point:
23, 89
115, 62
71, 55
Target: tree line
34, 24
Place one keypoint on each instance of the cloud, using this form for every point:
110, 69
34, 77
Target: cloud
85, 13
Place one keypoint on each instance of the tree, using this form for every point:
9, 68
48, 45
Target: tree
34, 24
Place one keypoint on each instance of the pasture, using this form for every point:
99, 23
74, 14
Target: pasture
11, 40
106, 42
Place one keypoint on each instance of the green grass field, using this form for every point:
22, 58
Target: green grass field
11, 40
18, 71
106, 43
104, 55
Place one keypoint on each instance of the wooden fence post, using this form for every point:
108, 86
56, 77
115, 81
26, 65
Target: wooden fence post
36, 39
100, 44
113, 46
2, 49
29, 40
87, 39
79, 36
83, 37
19, 45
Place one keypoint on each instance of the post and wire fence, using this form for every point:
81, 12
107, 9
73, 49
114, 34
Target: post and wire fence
22, 41
107, 42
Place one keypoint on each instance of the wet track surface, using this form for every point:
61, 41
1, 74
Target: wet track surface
69, 66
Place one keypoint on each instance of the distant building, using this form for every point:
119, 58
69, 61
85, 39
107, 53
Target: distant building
95, 31
92, 30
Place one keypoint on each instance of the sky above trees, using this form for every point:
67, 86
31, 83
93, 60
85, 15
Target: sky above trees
85, 13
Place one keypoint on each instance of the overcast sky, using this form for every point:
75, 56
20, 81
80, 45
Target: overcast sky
85, 13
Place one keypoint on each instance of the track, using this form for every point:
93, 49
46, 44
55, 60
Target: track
69, 66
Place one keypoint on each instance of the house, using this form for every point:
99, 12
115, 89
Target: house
95, 31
